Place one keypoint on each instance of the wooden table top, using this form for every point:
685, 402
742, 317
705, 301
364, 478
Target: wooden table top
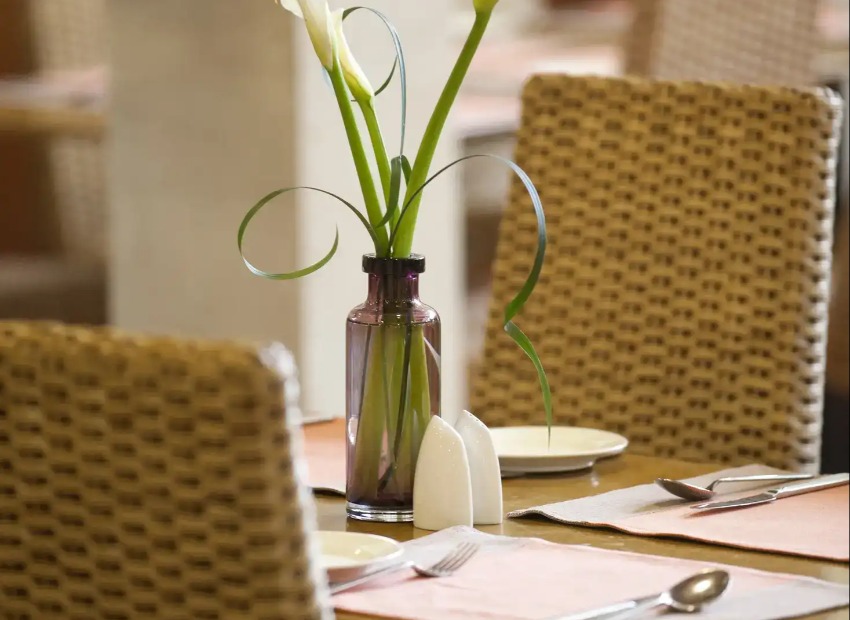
608, 475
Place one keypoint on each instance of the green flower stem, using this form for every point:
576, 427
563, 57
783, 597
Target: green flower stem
372, 420
420, 397
399, 403
424, 158
411, 416
361, 163
377, 138
393, 368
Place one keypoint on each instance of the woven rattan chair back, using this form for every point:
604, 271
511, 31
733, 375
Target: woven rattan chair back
683, 301
148, 478
749, 42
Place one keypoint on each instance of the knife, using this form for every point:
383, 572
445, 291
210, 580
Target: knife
607, 612
771, 495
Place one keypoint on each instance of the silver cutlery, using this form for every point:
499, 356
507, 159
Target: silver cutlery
771, 495
604, 613
445, 567
694, 493
688, 596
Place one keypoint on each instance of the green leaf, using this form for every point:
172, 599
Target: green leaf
315, 266
516, 304
399, 165
407, 168
524, 343
395, 191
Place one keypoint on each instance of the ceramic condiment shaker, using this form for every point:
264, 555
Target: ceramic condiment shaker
442, 488
485, 474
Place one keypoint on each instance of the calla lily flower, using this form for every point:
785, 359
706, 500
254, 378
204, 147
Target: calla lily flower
484, 6
317, 15
356, 79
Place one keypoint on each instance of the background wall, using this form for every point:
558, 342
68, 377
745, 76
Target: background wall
216, 103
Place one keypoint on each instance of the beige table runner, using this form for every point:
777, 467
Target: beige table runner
814, 525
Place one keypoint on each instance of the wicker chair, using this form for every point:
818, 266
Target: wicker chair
148, 478
749, 42
684, 297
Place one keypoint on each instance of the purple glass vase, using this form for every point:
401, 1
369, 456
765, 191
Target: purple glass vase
393, 388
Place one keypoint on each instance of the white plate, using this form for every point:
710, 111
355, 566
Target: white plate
526, 449
348, 555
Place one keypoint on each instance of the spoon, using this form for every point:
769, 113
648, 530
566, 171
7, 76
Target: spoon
695, 493
688, 596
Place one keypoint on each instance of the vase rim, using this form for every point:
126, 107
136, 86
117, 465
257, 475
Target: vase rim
372, 264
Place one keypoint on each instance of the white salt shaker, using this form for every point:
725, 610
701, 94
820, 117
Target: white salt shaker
484, 469
442, 487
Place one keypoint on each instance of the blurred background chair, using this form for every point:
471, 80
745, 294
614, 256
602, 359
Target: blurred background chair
53, 248
684, 299
149, 477
770, 42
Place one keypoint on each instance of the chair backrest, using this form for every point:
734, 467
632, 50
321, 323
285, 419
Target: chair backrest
749, 42
684, 297
148, 478
70, 37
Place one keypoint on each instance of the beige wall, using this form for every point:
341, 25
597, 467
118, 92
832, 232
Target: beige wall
215, 103
201, 125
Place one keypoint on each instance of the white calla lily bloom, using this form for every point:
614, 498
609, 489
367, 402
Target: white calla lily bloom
317, 15
356, 79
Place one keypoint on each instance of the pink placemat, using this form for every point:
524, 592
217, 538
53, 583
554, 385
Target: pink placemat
813, 525
324, 449
530, 579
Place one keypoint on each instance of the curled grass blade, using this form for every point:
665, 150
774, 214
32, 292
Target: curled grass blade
513, 308
292, 275
389, 79
399, 63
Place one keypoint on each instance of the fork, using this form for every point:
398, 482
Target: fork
445, 567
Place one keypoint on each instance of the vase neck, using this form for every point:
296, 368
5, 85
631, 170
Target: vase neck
393, 288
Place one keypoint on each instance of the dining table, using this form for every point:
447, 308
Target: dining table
608, 475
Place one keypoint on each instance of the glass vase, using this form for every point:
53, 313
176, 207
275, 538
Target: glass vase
393, 388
